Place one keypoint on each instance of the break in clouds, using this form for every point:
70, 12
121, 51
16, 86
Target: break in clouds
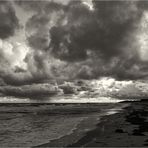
56, 40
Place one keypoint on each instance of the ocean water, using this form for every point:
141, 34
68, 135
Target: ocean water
61, 99
33, 124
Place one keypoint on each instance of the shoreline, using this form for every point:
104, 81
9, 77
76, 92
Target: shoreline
87, 125
75, 136
127, 128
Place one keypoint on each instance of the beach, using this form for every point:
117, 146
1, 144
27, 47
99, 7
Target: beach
73, 73
32, 125
127, 128
122, 124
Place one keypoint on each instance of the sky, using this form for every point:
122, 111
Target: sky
55, 40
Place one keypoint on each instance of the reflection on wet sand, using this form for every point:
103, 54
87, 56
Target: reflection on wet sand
128, 128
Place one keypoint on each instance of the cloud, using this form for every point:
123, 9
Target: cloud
75, 40
101, 31
45, 15
100, 87
9, 22
39, 5
20, 65
13, 58
38, 26
103, 41
34, 91
80, 89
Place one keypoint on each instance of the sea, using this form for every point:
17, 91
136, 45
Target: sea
32, 123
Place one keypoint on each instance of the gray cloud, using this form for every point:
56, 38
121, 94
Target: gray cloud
101, 31
107, 33
71, 41
34, 91
9, 22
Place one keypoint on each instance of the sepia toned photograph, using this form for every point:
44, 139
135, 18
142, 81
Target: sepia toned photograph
73, 73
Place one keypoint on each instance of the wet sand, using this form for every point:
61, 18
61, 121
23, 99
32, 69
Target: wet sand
30, 125
128, 128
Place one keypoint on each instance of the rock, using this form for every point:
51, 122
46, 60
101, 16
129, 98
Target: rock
119, 131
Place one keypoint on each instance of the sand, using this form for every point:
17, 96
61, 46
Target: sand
128, 128
31, 125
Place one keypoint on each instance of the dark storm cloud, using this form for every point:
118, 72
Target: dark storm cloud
39, 5
71, 41
33, 91
31, 5
68, 40
101, 31
92, 39
44, 16
8, 20
39, 24
108, 32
